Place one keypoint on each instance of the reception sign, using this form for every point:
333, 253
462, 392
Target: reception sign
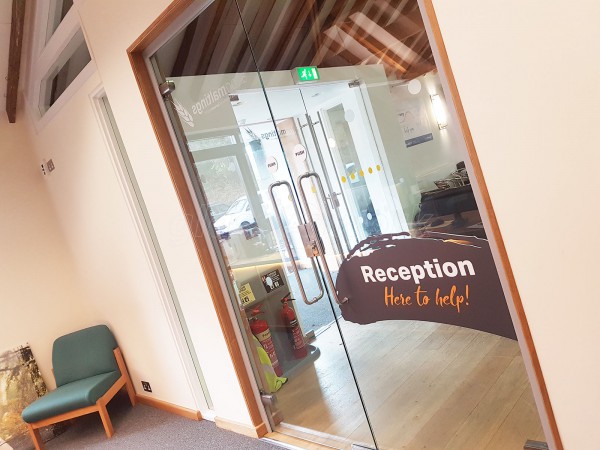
446, 279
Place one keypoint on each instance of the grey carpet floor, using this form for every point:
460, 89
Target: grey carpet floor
150, 428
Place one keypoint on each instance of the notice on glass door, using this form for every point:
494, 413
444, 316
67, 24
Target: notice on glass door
272, 164
440, 278
272, 281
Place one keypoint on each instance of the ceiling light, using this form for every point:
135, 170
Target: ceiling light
439, 111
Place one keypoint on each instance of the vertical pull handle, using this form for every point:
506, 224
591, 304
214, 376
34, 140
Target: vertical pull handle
331, 222
288, 247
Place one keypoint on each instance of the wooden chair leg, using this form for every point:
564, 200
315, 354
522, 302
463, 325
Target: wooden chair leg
125, 373
130, 391
106, 420
36, 437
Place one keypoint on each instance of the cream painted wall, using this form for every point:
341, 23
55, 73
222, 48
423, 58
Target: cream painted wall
120, 290
40, 292
111, 26
528, 80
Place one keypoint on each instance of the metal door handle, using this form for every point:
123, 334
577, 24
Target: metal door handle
332, 223
333, 198
289, 247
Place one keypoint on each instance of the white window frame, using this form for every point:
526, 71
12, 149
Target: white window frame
43, 56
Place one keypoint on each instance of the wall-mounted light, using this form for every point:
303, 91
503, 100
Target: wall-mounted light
439, 111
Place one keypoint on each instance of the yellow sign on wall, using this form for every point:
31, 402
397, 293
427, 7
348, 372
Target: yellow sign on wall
246, 294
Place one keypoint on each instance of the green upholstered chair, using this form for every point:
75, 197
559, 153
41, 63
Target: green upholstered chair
89, 370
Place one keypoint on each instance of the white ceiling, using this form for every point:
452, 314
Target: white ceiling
5, 18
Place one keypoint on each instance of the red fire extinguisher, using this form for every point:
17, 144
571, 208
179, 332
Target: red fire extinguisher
260, 329
293, 328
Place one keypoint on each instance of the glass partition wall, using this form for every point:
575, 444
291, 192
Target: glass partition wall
319, 146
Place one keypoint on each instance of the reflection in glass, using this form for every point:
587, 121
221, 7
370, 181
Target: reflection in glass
367, 127
235, 151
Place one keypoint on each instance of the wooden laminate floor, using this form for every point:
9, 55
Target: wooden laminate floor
425, 385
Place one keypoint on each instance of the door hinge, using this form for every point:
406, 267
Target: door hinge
535, 445
354, 83
166, 88
268, 399
333, 198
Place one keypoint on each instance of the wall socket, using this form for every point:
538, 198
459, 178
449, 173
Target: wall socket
146, 386
47, 166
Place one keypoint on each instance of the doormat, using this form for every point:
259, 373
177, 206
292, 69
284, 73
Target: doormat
20, 384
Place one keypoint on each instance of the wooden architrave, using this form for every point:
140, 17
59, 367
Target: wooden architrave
169, 407
14, 58
493, 221
201, 242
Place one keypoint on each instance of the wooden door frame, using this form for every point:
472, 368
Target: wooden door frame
227, 323
146, 83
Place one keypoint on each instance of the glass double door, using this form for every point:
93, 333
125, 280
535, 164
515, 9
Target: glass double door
318, 144
316, 155
322, 208
282, 174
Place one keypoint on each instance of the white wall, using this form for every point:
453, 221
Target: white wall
528, 80
110, 28
106, 276
120, 289
40, 294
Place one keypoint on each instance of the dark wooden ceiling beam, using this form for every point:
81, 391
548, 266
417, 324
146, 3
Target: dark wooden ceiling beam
405, 26
315, 36
419, 43
233, 49
378, 51
229, 40
338, 15
256, 20
205, 49
295, 24
274, 31
183, 54
338, 56
14, 58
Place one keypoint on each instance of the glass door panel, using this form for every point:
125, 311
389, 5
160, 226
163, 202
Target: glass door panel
375, 127
244, 180
318, 144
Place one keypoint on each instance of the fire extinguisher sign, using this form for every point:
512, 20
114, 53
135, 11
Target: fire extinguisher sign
246, 294
272, 280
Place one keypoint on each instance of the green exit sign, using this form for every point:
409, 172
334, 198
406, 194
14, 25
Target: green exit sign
310, 73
